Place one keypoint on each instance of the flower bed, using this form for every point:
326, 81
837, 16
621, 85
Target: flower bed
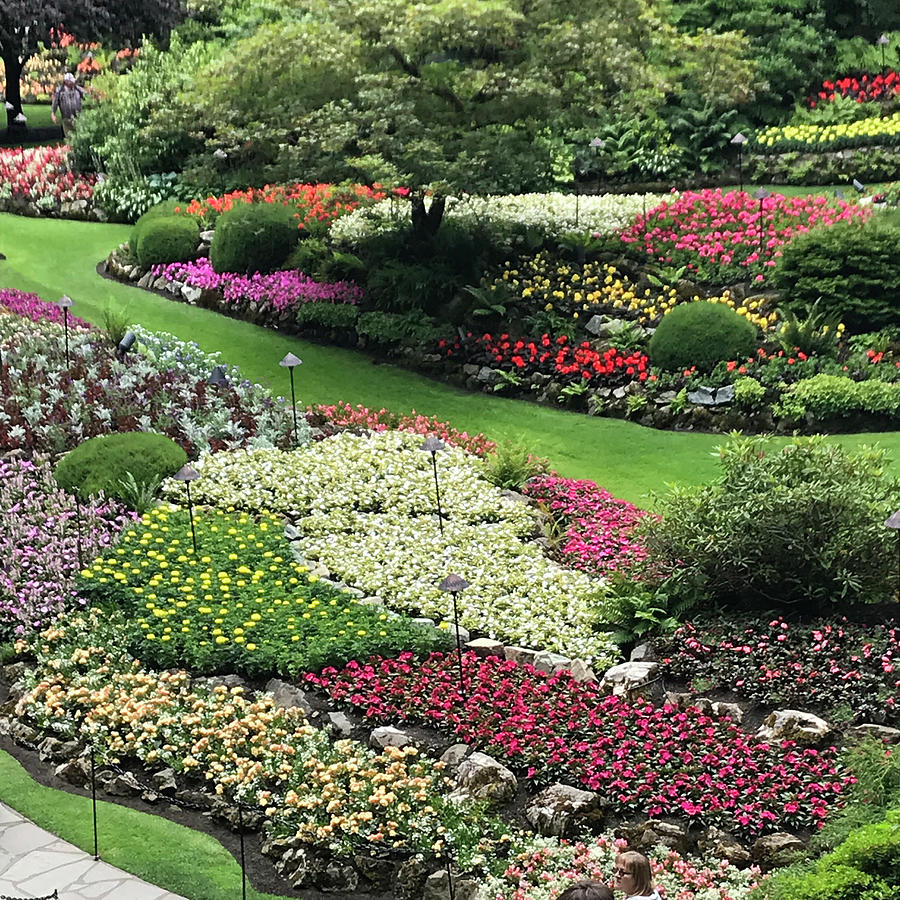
276, 292
241, 604
44, 413
842, 669
597, 527
42, 536
863, 89
30, 306
365, 508
718, 236
314, 202
872, 132
656, 761
38, 181
343, 415
541, 868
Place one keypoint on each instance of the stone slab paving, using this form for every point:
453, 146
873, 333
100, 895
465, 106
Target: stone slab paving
34, 863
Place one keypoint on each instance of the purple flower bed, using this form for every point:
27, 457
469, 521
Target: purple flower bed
39, 545
32, 307
279, 291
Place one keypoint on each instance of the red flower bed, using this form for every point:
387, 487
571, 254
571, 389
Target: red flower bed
598, 527
343, 415
314, 202
550, 356
863, 89
657, 761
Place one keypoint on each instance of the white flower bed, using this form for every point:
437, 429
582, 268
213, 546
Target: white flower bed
365, 507
507, 217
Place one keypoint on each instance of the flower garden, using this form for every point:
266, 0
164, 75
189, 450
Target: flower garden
405, 660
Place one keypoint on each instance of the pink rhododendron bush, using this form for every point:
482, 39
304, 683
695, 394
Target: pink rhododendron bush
643, 759
719, 236
38, 182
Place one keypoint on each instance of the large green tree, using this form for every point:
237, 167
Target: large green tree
26, 23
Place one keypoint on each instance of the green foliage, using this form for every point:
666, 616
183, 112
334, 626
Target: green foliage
853, 268
511, 465
327, 315
138, 495
253, 237
826, 396
165, 239
390, 329
101, 464
825, 882
125, 199
115, 324
748, 392
740, 537
816, 334
701, 334
640, 607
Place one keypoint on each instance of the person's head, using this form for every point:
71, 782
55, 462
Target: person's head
586, 890
632, 874
69, 80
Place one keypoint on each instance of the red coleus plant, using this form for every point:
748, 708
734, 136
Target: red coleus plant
658, 761
550, 356
863, 88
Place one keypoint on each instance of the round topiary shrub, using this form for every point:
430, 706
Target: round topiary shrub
119, 465
701, 334
253, 237
165, 239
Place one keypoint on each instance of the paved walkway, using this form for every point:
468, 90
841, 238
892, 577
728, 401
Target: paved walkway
34, 863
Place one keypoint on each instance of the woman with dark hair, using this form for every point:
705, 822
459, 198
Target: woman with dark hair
632, 876
586, 890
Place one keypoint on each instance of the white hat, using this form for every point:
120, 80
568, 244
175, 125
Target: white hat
68, 77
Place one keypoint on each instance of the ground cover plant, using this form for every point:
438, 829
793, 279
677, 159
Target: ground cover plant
31, 306
873, 131
644, 759
42, 538
541, 868
43, 414
240, 604
364, 506
843, 669
718, 236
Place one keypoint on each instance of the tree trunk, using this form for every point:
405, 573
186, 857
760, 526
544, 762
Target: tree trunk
13, 65
426, 222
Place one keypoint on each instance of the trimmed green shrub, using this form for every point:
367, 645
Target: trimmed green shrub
328, 315
825, 882
165, 239
701, 334
836, 395
740, 537
105, 463
388, 329
854, 268
253, 237
748, 392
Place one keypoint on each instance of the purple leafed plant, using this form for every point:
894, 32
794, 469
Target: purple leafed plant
39, 544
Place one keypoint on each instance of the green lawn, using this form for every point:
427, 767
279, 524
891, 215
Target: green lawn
151, 847
52, 257
38, 114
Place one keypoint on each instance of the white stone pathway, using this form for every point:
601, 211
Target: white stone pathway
34, 863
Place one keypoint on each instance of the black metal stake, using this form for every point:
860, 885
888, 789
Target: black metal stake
462, 684
94, 800
243, 858
293, 405
450, 885
741, 167
187, 485
437, 493
762, 233
66, 330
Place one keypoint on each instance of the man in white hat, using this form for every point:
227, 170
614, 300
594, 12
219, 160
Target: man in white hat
67, 99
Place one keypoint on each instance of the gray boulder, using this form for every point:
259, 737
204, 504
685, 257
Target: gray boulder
288, 696
556, 810
482, 777
794, 725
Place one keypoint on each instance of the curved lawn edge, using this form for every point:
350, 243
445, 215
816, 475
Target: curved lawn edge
163, 853
52, 257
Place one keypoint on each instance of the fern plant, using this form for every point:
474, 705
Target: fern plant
139, 495
815, 334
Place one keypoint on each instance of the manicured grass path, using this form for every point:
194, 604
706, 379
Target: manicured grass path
52, 257
164, 853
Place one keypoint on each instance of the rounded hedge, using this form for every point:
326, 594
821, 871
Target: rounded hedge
701, 334
103, 463
253, 237
165, 239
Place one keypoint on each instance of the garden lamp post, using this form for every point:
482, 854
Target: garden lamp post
64, 303
738, 141
452, 585
187, 474
894, 524
762, 195
127, 342
882, 42
218, 378
433, 446
290, 362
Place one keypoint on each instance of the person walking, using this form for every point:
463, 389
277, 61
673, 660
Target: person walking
632, 876
67, 98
